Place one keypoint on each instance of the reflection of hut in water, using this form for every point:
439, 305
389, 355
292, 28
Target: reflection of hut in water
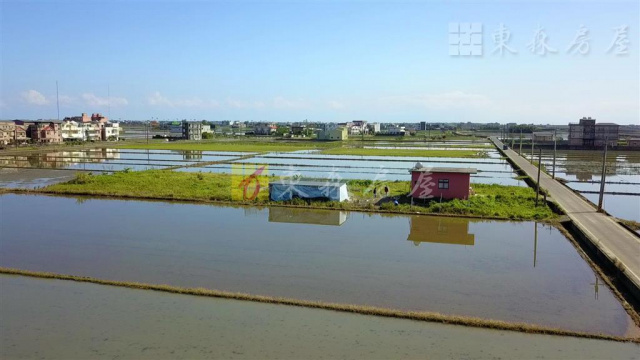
192, 155
440, 230
306, 216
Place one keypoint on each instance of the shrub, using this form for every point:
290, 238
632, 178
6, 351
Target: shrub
82, 178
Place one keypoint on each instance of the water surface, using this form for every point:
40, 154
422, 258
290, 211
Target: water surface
489, 269
84, 321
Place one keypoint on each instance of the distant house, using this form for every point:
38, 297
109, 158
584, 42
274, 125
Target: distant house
298, 129
264, 129
89, 128
45, 132
206, 129
586, 133
72, 130
436, 183
358, 127
634, 142
374, 128
83, 118
542, 137
395, 131
191, 130
110, 131
338, 134
10, 133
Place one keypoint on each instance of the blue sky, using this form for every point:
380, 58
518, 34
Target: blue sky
322, 61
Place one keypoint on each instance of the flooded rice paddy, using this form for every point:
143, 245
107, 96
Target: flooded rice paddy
583, 170
136, 324
487, 269
491, 170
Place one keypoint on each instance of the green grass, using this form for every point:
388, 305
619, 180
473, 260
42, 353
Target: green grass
490, 201
404, 152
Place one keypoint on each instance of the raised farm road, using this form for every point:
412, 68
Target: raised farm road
615, 242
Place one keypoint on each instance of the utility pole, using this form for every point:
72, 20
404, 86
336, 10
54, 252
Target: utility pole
532, 141
553, 171
604, 174
520, 152
538, 181
57, 100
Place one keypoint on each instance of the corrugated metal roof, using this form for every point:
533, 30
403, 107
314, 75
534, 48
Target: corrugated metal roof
446, 170
317, 183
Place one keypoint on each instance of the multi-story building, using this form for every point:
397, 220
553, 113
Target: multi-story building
45, 132
84, 118
72, 130
6, 132
586, 133
110, 131
298, 129
395, 131
92, 128
91, 131
99, 118
374, 128
339, 133
607, 133
359, 127
191, 130
265, 128
10, 133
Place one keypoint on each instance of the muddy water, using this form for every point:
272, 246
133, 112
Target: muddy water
487, 269
85, 321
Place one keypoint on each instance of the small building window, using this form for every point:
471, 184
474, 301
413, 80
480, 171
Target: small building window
443, 184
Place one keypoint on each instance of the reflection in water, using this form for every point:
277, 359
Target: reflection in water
442, 230
61, 159
306, 216
365, 261
190, 154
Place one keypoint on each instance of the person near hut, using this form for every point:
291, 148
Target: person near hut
386, 191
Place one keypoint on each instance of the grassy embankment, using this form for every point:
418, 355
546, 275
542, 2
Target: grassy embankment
404, 152
490, 201
326, 147
240, 146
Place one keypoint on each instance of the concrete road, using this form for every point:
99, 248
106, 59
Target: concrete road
616, 242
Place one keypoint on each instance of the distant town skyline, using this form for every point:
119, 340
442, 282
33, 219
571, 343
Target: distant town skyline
322, 61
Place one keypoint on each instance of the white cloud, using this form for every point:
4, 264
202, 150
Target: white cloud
280, 102
34, 97
336, 105
158, 99
66, 100
93, 100
442, 101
